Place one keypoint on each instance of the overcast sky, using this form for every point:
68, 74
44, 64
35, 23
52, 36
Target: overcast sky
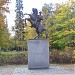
28, 5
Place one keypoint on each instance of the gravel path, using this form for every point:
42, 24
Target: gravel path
9, 69
23, 70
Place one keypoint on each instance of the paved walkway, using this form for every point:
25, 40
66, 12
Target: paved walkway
53, 70
23, 70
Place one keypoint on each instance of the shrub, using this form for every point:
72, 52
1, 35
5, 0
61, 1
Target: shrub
54, 56
13, 58
66, 56
19, 59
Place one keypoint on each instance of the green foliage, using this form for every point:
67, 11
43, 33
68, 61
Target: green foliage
29, 32
4, 35
60, 24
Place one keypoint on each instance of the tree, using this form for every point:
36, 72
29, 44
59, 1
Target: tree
48, 18
64, 32
4, 36
19, 22
47, 11
60, 24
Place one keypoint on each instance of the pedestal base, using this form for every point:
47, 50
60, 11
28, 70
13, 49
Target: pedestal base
38, 54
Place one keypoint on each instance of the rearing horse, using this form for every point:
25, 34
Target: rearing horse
35, 21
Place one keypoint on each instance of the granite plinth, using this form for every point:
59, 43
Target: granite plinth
38, 54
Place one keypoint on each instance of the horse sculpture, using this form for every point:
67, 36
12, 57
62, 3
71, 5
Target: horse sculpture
35, 21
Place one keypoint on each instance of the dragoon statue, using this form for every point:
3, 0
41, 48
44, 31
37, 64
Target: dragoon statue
35, 20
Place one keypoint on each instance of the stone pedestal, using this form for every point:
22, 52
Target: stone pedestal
38, 54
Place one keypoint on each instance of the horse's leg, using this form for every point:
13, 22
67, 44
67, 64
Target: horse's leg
38, 35
26, 19
25, 22
46, 33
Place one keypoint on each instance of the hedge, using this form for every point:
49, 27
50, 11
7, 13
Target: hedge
13, 58
10, 58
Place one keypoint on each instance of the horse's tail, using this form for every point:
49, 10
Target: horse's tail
46, 33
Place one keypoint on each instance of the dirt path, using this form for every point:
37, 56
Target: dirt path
9, 69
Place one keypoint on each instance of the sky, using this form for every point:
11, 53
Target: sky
28, 5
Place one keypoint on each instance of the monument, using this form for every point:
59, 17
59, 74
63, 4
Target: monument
38, 49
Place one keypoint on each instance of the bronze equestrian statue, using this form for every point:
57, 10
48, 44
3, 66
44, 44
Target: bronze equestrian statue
35, 20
